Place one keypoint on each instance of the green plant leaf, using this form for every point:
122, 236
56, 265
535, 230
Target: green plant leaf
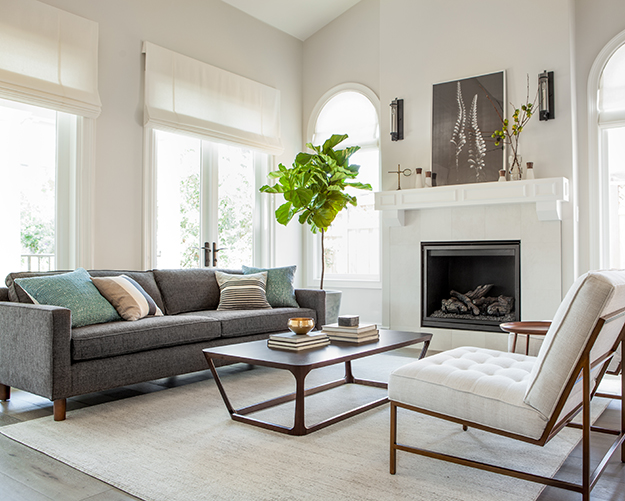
333, 141
360, 186
301, 197
284, 214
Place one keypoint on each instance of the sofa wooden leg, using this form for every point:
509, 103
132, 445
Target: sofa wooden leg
5, 392
59, 407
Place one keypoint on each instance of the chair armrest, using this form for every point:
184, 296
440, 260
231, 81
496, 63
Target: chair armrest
315, 299
35, 351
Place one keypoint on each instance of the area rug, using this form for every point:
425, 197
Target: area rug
180, 444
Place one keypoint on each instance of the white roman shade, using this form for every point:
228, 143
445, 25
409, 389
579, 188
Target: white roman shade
612, 93
185, 94
48, 58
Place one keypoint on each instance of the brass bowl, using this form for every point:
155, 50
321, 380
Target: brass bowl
301, 325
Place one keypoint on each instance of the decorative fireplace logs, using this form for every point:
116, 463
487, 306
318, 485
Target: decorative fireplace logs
475, 303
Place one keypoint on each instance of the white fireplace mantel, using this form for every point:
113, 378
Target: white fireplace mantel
547, 194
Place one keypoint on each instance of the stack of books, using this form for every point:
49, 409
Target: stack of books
362, 333
298, 342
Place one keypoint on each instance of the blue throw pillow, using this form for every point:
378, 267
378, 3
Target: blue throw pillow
280, 291
74, 291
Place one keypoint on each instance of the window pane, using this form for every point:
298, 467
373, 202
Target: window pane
236, 206
612, 95
616, 171
28, 177
178, 201
352, 242
348, 113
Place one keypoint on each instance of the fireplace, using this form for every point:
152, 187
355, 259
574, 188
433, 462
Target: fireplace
470, 285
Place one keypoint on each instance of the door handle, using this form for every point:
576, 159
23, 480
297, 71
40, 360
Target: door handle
215, 251
207, 253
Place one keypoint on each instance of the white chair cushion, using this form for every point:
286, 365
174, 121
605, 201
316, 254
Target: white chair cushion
479, 385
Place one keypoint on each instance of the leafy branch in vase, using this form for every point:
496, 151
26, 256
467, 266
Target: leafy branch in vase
510, 132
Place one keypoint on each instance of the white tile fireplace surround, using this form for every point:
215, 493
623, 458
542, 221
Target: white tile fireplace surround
469, 213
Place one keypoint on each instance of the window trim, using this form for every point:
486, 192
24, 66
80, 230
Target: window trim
597, 175
312, 241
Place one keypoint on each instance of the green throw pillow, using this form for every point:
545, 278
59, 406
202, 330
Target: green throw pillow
280, 291
74, 291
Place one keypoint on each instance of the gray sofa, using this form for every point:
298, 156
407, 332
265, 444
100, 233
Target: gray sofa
41, 353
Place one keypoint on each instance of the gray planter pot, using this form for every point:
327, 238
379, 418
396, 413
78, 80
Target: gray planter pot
333, 305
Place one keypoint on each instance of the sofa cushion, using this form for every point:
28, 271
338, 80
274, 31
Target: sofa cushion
242, 292
127, 297
280, 291
483, 386
186, 290
121, 338
73, 290
236, 323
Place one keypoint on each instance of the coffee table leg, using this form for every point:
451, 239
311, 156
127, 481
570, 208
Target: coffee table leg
424, 350
220, 387
349, 377
299, 424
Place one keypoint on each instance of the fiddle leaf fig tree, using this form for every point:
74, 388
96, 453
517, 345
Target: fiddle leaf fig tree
314, 187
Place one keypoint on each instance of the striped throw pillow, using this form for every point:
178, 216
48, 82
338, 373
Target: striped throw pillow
127, 296
242, 292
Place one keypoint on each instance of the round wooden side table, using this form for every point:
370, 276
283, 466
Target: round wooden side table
529, 328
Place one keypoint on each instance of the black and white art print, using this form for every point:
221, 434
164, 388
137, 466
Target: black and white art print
463, 119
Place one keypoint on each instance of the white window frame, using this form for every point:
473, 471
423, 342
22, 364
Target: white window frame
262, 224
312, 242
74, 190
597, 162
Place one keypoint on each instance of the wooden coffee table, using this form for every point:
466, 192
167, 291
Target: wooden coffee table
300, 364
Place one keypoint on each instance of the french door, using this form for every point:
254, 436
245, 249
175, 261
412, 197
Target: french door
206, 194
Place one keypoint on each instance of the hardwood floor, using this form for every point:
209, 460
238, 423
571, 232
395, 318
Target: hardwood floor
28, 475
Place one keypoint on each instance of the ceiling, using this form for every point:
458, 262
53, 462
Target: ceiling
299, 18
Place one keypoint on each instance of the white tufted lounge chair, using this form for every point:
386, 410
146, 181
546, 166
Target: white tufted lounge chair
524, 397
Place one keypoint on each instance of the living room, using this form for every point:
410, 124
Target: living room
394, 49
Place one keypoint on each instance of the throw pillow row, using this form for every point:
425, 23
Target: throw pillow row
94, 300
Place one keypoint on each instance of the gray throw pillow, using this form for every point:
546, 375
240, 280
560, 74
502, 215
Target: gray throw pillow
280, 291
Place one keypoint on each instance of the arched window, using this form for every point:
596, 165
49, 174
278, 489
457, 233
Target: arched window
353, 241
611, 157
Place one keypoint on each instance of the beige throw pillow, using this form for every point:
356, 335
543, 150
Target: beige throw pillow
127, 296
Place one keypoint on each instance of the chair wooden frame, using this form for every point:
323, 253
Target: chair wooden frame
582, 371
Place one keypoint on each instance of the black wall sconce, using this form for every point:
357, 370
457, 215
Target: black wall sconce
397, 119
546, 110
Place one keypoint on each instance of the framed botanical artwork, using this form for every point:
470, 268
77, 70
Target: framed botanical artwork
464, 115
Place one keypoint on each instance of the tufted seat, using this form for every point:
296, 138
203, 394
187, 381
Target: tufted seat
480, 385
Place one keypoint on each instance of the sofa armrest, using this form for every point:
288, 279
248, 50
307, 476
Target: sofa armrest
315, 299
35, 351
4, 294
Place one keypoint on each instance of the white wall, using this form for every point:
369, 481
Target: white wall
208, 30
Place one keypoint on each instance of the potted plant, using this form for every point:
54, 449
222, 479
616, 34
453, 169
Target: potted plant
314, 187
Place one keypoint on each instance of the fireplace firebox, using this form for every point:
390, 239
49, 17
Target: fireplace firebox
470, 285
